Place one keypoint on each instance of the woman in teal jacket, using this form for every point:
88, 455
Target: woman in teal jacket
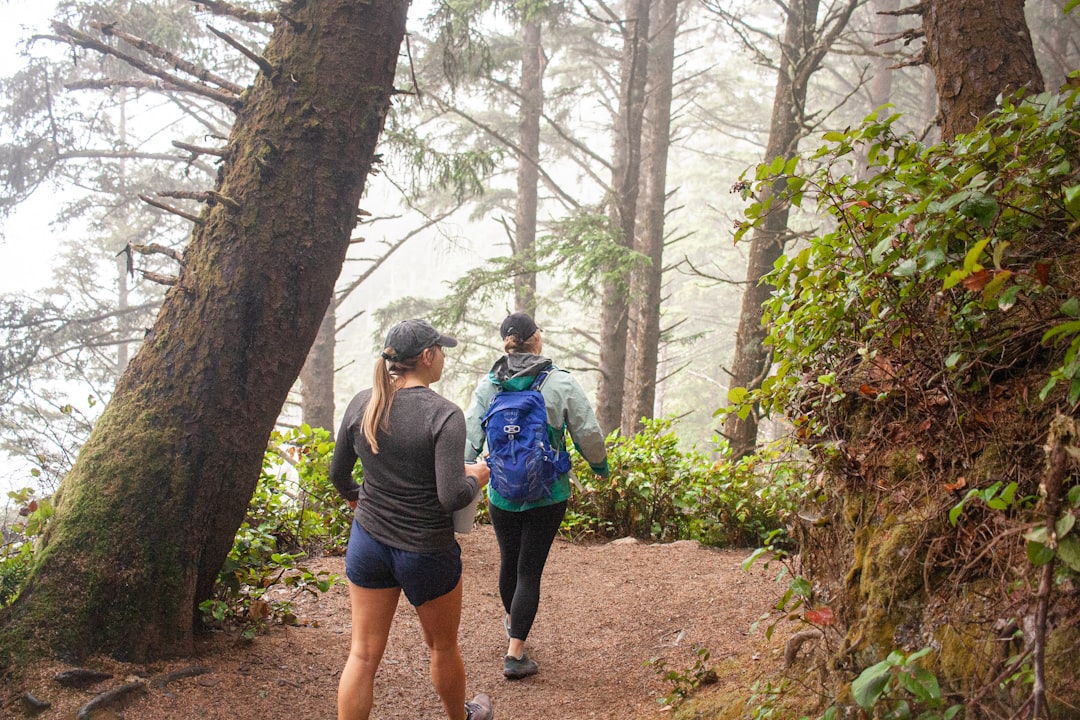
525, 530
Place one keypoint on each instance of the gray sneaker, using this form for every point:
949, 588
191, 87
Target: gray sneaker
479, 708
515, 669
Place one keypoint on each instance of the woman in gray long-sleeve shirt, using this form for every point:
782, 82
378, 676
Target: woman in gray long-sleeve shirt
410, 441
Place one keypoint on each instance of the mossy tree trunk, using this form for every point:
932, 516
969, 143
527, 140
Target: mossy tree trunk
625, 177
646, 280
317, 375
978, 50
148, 514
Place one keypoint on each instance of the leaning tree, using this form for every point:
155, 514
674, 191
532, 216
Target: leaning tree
147, 515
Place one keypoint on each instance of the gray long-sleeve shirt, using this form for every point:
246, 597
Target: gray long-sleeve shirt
417, 480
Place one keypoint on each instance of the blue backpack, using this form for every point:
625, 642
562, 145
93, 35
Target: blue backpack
524, 463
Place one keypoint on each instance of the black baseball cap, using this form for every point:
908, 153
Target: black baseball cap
518, 324
409, 338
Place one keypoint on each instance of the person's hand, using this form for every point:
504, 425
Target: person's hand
351, 504
479, 469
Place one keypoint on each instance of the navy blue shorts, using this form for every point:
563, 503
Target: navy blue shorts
422, 576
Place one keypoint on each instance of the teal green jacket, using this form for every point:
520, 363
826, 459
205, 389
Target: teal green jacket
568, 411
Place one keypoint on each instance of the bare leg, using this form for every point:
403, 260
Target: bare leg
372, 614
440, 619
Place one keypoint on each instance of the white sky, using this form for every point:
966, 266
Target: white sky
26, 246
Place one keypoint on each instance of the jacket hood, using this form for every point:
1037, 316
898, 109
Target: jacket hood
516, 371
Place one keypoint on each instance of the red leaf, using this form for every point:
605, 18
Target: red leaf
822, 616
960, 484
1042, 273
868, 390
925, 425
976, 281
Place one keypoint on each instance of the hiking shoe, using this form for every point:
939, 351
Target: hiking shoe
515, 669
479, 708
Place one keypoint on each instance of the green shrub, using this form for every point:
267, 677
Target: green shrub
295, 509
17, 547
658, 492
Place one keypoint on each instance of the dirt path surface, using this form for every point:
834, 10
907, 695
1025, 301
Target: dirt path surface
605, 611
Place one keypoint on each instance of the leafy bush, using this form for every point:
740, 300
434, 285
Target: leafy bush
17, 547
938, 265
657, 491
295, 508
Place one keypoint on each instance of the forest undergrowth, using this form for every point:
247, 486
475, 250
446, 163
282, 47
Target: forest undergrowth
927, 355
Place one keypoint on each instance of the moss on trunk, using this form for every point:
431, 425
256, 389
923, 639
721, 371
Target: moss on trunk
148, 514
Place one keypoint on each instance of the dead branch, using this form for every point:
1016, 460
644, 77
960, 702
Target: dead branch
155, 249
73, 36
159, 278
198, 150
907, 36
169, 208
133, 83
172, 59
1063, 434
265, 65
246, 14
795, 643
916, 9
209, 197
110, 698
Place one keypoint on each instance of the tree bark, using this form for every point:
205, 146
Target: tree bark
317, 375
979, 49
751, 362
646, 281
148, 514
625, 177
528, 172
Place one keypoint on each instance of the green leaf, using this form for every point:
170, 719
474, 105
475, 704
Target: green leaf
1072, 200
971, 260
981, 207
801, 586
1039, 554
867, 688
1071, 307
1069, 552
1064, 524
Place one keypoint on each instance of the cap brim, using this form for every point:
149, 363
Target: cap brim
446, 341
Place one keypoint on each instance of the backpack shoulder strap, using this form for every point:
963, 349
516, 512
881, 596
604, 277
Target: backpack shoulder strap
538, 381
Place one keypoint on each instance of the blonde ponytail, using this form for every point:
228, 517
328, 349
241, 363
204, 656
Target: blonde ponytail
383, 387
377, 412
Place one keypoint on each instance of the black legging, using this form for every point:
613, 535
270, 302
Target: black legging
525, 538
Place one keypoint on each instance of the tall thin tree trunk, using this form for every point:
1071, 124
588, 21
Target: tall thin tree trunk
646, 282
317, 375
751, 362
149, 512
978, 50
528, 172
122, 350
626, 173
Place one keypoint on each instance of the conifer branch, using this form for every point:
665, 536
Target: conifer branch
169, 208
265, 65
155, 249
198, 149
240, 13
209, 197
159, 278
174, 60
76, 37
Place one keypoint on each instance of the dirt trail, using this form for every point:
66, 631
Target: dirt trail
605, 611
